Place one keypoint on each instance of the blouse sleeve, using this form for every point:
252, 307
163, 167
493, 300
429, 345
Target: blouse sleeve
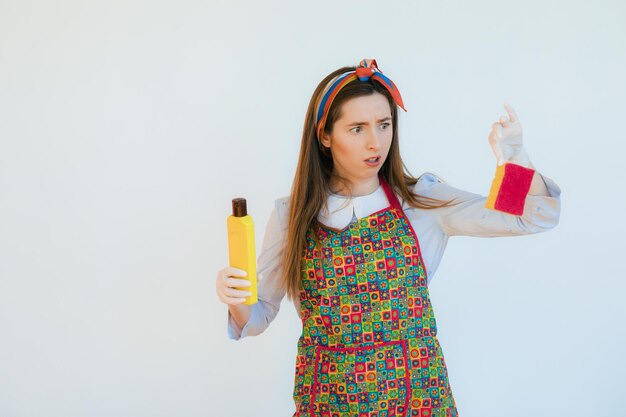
270, 293
468, 216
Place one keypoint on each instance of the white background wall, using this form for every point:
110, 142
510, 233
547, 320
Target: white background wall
127, 126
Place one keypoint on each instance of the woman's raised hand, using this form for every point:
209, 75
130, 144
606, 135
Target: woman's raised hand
228, 284
505, 139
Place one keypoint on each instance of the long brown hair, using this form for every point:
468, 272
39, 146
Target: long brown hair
311, 182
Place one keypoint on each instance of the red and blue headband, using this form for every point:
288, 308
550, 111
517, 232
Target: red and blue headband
366, 70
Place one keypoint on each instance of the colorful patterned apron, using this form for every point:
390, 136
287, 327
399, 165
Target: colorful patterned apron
368, 346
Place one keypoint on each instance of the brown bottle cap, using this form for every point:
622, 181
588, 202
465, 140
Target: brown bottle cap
240, 207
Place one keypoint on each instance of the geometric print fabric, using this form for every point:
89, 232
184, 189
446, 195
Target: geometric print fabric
368, 346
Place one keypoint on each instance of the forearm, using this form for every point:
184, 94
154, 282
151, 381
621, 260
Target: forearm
240, 314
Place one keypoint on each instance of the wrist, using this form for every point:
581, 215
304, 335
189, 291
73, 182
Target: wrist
518, 157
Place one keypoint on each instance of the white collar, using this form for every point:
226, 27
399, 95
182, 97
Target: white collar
341, 209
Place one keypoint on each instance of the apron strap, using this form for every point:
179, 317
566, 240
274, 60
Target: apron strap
391, 197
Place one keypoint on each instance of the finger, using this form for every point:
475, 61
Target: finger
504, 121
496, 149
235, 272
237, 283
494, 141
232, 301
259, 277
235, 293
497, 129
512, 113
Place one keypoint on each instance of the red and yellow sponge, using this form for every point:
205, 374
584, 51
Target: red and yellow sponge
510, 188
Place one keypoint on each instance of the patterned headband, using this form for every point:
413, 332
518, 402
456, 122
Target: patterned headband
366, 70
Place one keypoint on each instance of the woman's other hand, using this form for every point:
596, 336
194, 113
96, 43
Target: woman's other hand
505, 139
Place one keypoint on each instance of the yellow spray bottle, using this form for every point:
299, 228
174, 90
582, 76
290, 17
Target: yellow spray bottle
241, 247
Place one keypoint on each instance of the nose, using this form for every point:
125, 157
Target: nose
373, 140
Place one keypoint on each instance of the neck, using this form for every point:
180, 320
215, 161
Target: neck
354, 189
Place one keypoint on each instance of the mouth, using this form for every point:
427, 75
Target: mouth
373, 161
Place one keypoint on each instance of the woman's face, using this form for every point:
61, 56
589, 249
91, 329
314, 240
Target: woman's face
360, 141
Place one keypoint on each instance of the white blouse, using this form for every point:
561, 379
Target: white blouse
433, 228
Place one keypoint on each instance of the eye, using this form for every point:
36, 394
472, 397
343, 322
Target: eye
385, 125
356, 129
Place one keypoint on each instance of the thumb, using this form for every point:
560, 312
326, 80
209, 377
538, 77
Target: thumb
495, 147
259, 277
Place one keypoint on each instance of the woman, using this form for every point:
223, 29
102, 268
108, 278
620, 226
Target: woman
356, 244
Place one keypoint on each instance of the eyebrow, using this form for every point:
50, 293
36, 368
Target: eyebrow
384, 119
